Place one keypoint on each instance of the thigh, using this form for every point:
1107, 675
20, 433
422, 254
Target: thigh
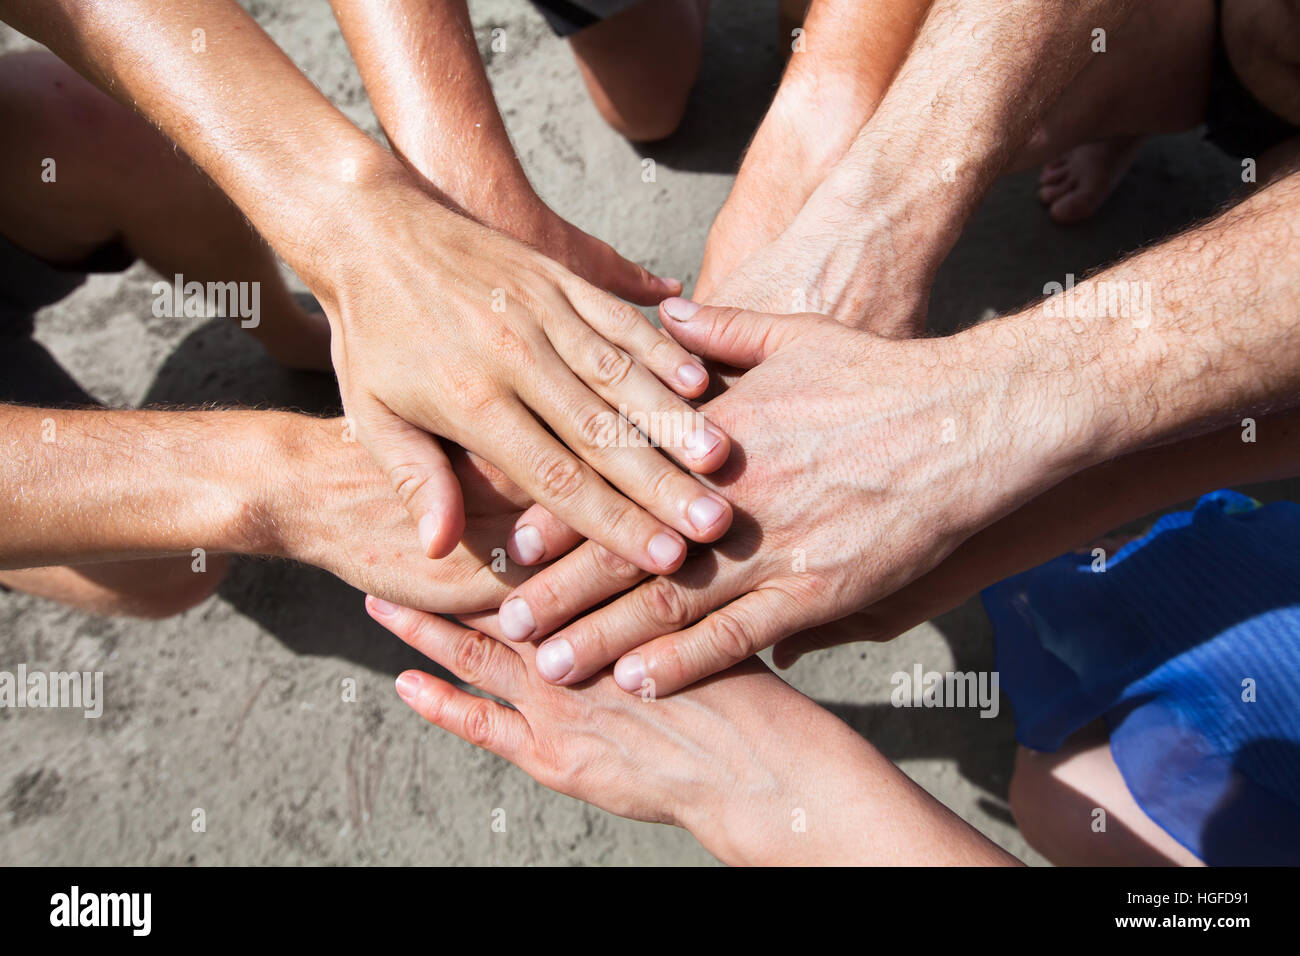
1074, 808
75, 162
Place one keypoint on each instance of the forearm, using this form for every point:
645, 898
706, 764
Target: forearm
95, 485
1183, 338
850, 52
208, 76
838, 801
978, 77
841, 69
1087, 505
422, 70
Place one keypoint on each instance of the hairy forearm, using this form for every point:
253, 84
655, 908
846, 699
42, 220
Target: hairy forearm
209, 77
95, 485
1079, 510
978, 77
422, 70
1180, 339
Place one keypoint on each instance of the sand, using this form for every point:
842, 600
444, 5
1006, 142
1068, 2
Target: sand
237, 707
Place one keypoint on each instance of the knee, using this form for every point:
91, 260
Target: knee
67, 109
641, 65
646, 122
172, 592
150, 589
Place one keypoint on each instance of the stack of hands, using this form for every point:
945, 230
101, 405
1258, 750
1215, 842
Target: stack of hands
616, 546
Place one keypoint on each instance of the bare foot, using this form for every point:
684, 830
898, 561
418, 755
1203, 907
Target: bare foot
1075, 185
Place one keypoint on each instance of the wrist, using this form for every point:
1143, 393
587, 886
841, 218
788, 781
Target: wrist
813, 120
361, 196
1043, 404
793, 800
278, 494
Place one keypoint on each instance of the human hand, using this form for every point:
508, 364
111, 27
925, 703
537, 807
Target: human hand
450, 329
859, 464
324, 502
734, 760
832, 259
426, 80
520, 213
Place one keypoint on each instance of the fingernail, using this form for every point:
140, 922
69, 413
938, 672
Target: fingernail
516, 619
701, 442
381, 607
555, 659
428, 527
528, 544
671, 283
629, 673
692, 375
704, 513
408, 684
680, 309
665, 550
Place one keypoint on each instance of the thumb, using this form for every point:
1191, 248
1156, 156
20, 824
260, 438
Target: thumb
421, 475
734, 336
601, 265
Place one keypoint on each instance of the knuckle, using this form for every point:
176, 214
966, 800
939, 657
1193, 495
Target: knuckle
541, 593
598, 428
807, 588
730, 638
407, 480
612, 366
663, 351
660, 485
475, 391
559, 772
622, 522
613, 566
433, 707
591, 641
623, 319
511, 348
665, 604
560, 477
480, 723
473, 659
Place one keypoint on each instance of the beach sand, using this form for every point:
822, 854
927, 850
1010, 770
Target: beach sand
236, 707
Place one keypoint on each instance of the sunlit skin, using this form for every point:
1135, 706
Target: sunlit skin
439, 326
226, 482
425, 78
757, 772
994, 416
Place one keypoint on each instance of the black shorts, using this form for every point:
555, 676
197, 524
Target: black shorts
1235, 121
567, 17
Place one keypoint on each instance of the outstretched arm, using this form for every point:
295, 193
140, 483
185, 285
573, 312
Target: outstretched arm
866, 245
920, 444
758, 773
440, 326
425, 78
81, 486
1070, 516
